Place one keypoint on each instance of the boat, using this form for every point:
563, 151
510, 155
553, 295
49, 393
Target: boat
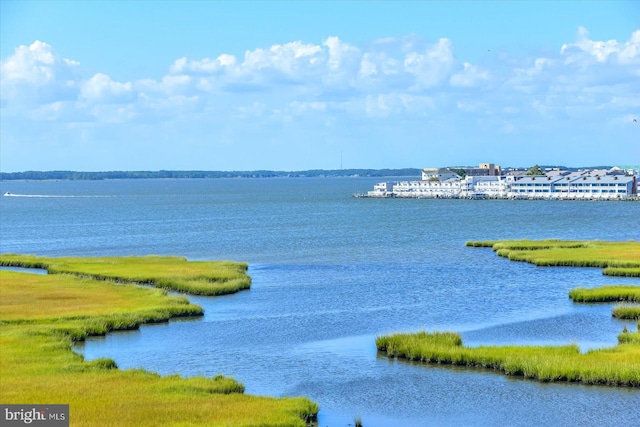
478, 196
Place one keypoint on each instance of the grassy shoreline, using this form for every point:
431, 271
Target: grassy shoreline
172, 273
628, 295
41, 316
616, 366
606, 294
615, 258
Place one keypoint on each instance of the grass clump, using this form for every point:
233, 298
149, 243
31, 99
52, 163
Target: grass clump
630, 337
627, 294
618, 366
616, 258
606, 294
42, 315
626, 312
622, 271
171, 273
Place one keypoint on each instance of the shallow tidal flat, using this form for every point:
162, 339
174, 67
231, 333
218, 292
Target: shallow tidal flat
42, 315
616, 366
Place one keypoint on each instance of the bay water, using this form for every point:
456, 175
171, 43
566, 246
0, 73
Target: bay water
330, 273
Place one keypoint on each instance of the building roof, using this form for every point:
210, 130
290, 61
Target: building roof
608, 179
538, 180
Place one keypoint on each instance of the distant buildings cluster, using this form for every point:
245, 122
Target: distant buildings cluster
490, 181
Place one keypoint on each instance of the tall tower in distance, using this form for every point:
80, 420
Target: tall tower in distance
493, 171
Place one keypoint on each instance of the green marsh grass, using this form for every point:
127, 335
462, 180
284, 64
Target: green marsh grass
606, 294
616, 366
616, 258
172, 273
42, 315
626, 311
630, 295
630, 337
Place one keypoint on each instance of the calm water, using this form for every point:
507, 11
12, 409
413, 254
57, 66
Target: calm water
330, 273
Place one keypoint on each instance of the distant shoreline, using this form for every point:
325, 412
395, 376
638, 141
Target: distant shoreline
98, 176
201, 174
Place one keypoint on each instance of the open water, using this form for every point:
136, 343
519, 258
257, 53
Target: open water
330, 273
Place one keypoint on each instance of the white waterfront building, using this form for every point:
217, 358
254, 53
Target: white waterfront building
592, 185
613, 184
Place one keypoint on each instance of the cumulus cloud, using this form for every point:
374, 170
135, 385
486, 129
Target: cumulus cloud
341, 55
469, 76
100, 88
585, 51
37, 74
432, 67
388, 77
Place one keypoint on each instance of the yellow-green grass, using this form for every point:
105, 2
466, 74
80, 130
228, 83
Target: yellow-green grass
173, 273
630, 337
629, 294
41, 316
626, 312
617, 366
606, 294
616, 258
614, 293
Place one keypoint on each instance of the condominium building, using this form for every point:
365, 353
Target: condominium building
612, 184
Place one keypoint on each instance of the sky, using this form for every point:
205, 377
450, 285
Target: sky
288, 86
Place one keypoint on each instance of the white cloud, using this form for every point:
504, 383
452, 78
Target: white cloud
431, 67
394, 77
367, 67
469, 76
36, 64
100, 88
204, 66
176, 84
36, 74
341, 54
585, 51
630, 51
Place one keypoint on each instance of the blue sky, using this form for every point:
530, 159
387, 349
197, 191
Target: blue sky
125, 85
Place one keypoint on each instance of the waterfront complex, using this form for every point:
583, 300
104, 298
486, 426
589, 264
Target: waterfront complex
490, 181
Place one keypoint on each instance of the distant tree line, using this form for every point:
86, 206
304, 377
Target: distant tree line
74, 175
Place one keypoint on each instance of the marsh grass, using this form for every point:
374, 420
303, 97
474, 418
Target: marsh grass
616, 366
42, 315
616, 258
627, 294
630, 337
626, 311
172, 273
606, 294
